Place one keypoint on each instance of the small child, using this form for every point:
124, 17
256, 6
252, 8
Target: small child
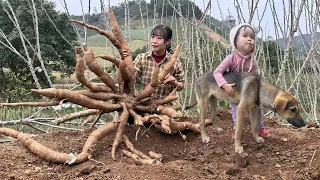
242, 40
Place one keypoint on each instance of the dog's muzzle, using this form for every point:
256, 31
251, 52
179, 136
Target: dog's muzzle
296, 122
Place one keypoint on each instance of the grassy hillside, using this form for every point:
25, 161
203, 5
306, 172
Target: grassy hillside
134, 45
100, 41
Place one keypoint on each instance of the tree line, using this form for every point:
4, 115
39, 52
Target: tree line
188, 9
18, 46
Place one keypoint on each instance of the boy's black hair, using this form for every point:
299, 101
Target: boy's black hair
165, 32
244, 26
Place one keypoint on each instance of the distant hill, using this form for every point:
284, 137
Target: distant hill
96, 19
218, 29
300, 41
214, 35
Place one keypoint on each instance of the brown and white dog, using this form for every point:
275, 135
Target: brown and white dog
251, 91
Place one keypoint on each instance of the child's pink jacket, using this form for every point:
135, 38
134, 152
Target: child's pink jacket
233, 63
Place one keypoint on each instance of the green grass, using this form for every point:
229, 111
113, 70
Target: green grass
98, 40
134, 45
100, 48
140, 34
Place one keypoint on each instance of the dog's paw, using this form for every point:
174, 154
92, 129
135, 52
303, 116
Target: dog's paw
259, 139
239, 149
205, 139
219, 130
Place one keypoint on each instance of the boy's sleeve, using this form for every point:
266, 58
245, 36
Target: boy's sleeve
178, 71
221, 69
255, 67
138, 65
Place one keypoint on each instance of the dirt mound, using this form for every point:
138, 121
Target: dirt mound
287, 154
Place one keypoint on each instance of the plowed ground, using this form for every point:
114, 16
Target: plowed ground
288, 154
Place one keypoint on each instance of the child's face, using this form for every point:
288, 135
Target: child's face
158, 44
245, 40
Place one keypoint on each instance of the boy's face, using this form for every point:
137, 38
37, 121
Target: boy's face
158, 44
245, 40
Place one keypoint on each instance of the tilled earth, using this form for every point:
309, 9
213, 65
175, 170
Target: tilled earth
288, 154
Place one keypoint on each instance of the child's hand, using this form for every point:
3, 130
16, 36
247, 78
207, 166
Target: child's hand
228, 88
169, 79
125, 53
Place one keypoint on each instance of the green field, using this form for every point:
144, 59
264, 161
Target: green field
100, 41
134, 45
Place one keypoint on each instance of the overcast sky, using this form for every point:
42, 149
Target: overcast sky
226, 8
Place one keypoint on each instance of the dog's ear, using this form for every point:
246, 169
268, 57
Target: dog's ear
280, 104
290, 105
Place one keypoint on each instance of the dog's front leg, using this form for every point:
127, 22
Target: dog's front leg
239, 127
203, 107
254, 124
213, 107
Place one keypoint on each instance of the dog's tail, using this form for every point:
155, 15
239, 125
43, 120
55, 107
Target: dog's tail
190, 105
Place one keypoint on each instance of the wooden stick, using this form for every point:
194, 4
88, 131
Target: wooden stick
32, 104
75, 115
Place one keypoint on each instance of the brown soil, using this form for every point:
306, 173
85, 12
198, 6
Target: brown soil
288, 154
215, 36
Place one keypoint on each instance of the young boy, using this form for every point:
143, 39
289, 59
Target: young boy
242, 40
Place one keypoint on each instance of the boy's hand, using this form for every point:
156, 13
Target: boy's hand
169, 79
228, 88
125, 53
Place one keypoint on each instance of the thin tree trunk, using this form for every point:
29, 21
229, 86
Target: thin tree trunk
29, 60
293, 29
38, 50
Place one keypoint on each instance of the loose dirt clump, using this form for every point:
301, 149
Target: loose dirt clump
288, 154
